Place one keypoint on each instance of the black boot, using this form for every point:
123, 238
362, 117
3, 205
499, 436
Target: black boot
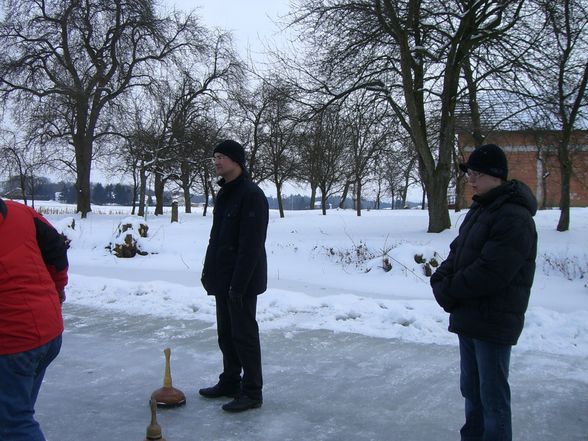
242, 403
219, 390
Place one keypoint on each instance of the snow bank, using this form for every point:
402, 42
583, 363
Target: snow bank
328, 272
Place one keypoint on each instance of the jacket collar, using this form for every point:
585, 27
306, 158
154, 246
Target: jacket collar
226, 186
489, 197
512, 191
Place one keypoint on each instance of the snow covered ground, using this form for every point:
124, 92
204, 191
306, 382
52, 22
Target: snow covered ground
326, 273
331, 304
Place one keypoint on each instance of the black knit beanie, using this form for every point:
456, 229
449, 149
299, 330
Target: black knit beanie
233, 150
488, 159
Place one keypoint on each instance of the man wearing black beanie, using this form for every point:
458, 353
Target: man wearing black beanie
235, 272
484, 284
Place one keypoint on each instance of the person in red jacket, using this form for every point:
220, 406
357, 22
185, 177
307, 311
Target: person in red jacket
33, 275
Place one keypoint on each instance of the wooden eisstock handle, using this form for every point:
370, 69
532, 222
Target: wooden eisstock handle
154, 429
167, 380
153, 405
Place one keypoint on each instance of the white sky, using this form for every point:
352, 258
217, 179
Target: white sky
253, 23
255, 26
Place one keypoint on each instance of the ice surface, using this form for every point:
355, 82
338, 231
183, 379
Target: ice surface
319, 385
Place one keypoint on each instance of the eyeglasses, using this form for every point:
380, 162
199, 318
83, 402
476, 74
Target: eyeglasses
474, 174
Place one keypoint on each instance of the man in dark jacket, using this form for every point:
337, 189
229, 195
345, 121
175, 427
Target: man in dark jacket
235, 272
33, 275
485, 284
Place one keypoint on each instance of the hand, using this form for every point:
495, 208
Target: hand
61, 294
236, 299
437, 276
441, 292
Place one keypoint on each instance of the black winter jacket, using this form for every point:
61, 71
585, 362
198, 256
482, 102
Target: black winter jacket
486, 280
235, 259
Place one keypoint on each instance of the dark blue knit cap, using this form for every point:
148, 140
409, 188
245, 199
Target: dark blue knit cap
233, 150
488, 159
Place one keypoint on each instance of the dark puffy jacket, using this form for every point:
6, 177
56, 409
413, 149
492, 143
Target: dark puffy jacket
235, 258
33, 269
486, 280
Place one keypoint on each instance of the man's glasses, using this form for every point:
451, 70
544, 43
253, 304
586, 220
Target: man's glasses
474, 174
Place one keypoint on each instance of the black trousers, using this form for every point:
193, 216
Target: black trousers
238, 340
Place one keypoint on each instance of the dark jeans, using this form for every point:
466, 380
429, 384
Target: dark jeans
484, 385
238, 340
21, 376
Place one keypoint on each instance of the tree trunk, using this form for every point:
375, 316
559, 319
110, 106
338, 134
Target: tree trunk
185, 184
473, 104
159, 185
187, 198
566, 174
33, 192
279, 196
135, 188
210, 193
83, 150
324, 202
344, 195
174, 211
544, 176
142, 192
206, 196
358, 198
378, 196
23, 188
437, 207
459, 192
312, 196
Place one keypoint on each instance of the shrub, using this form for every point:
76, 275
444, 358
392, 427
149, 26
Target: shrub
126, 242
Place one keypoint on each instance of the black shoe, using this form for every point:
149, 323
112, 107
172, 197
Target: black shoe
242, 403
218, 390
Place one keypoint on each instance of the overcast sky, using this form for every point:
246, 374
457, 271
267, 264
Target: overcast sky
253, 23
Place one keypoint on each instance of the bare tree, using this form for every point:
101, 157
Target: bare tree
322, 154
24, 159
369, 133
399, 170
489, 98
309, 147
279, 136
192, 131
77, 58
411, 53
195, 153
250, 118
560, 81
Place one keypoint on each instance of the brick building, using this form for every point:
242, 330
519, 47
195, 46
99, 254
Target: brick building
532, 158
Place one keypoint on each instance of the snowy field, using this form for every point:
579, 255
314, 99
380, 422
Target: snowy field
354, 346
326, 272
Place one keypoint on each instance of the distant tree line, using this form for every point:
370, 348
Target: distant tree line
42, 189
367, 105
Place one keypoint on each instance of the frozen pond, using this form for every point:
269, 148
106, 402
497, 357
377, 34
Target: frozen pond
319, 385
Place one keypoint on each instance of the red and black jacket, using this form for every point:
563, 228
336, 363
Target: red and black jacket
33, 270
